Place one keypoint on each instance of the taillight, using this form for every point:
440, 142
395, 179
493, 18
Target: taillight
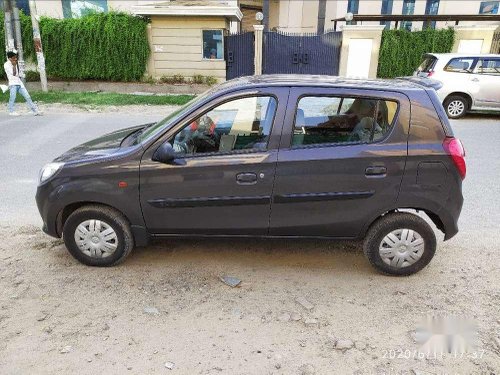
430, 73
455, 149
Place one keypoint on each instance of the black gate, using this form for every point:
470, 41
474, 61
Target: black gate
286, 53
239, 55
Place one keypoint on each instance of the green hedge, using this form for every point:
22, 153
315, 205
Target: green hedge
102, 46
401, 50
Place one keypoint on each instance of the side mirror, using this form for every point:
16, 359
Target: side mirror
165, 154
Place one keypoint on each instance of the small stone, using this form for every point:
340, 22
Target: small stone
304, 303
296, 317
47, 329
360, 345
344, 345
66, 349
129, 368
310, 322
277, 366
285, 317
151, 311
233, 282
89, 360
170, 365
155, 352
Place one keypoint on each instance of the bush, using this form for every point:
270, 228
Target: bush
172, 80
210, 80
105, 46
32, 76
198, 79
401, 50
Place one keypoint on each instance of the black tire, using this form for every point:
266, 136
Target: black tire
448, 105
113, 218
391, 222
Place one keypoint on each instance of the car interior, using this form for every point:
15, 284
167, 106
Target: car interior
241, 124
342, 120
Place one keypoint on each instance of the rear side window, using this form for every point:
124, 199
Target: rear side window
460, 65
488, 66
428, 64
340, 120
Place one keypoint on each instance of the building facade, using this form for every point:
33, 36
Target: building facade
304, 16
318, 15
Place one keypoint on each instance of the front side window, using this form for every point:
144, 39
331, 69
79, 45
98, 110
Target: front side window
460, 65
241, 124
488, 66
338, 120
213, 44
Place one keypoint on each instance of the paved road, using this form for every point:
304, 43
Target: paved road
27, 143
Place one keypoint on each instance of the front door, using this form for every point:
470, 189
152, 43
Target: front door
341, 161
222, 180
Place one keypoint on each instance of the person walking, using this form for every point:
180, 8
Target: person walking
16, 85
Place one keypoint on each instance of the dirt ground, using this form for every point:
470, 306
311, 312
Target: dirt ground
165, 309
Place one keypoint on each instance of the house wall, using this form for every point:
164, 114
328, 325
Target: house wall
177, 46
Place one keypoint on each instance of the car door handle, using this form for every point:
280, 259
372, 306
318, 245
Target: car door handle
375, 171
475, 79
246, 178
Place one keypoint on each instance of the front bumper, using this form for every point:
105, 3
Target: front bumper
48, 207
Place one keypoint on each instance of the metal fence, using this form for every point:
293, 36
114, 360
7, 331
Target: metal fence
287, 53
239, 55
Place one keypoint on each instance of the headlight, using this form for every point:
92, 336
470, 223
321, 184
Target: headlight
49, 171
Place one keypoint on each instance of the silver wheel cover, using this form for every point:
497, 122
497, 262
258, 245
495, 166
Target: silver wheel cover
96, 239
456, 108
401, 248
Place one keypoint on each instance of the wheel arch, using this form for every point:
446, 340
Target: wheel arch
438, 222
464, 95
140, 233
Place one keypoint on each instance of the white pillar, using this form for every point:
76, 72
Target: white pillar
360, 50
259, 38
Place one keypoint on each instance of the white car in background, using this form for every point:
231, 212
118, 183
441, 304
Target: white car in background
470, 82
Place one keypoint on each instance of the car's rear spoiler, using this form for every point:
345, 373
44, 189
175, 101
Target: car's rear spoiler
422, 81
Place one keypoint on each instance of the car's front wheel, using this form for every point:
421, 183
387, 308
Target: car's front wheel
455, 106
98, 236
400, 244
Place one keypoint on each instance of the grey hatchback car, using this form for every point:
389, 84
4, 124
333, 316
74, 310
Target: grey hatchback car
268, 156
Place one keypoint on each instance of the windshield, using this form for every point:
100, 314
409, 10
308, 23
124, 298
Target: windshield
154, 129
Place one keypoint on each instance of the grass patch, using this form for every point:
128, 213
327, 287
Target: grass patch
101, 98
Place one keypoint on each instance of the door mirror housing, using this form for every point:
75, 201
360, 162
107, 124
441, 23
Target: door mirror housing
165, 154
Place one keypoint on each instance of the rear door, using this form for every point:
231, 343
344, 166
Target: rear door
487, 76
341, 161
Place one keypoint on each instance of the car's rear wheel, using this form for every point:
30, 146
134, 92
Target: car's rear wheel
400, 244
98, 236
455, 106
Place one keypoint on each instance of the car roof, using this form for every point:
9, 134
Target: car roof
304, 80
452, 55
